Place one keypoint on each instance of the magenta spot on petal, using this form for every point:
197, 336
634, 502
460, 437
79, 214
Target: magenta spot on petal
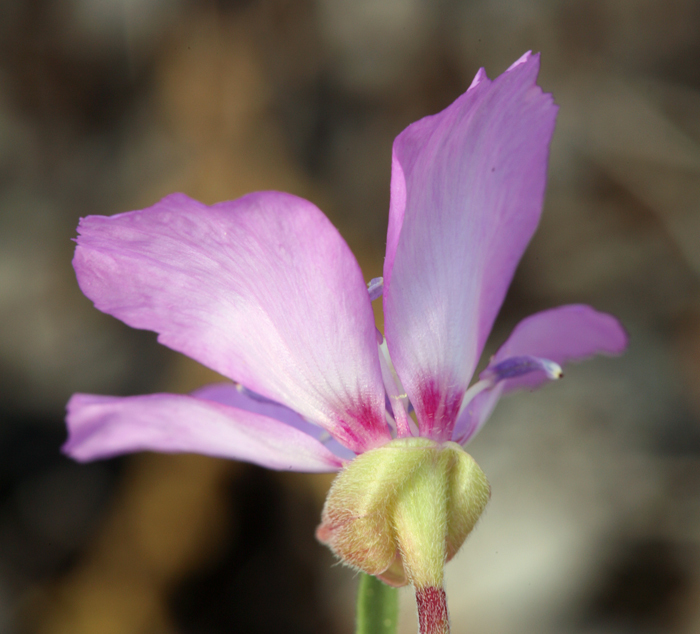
437, 411
362, 428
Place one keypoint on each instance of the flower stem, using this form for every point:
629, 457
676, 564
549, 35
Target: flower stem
432, 611
377, 607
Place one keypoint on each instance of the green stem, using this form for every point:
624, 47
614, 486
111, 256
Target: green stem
377, 607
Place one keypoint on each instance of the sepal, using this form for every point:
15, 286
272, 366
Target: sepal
401, 511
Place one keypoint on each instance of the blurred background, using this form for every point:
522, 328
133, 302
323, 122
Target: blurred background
108, 105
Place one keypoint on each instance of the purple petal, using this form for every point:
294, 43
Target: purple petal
262, 289
104, 426
476, 413
563, 334
466, 195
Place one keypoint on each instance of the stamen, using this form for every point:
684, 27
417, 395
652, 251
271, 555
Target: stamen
395, 392
518, 366
254, 395
510, 368
375, 288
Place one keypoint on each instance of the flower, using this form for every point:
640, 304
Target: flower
265, 291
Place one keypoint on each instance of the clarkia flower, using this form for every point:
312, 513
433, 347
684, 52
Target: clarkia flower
265, 291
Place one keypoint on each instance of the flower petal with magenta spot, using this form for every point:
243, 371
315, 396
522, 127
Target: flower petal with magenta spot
262, 289
105, 426
466, 196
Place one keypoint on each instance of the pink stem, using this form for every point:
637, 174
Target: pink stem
432, 611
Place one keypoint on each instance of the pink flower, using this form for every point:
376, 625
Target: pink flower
265, 291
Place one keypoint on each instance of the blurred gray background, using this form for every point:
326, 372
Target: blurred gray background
108, 105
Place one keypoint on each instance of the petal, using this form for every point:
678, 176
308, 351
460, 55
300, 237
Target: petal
475, 414
262, 289
564, 334
466, 195
104, 426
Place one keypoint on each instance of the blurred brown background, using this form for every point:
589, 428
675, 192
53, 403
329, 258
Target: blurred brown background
108, 105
